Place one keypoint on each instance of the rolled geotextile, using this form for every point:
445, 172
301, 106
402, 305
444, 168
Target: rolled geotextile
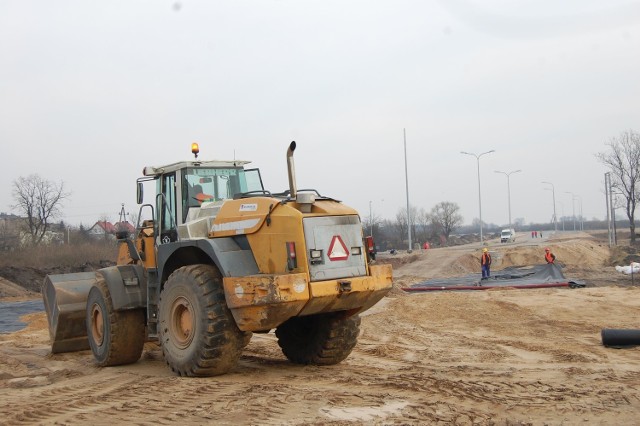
620, 338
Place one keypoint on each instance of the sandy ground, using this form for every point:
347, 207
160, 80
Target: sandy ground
504, 357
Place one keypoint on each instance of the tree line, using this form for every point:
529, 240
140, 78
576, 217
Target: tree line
622, 159
39, 201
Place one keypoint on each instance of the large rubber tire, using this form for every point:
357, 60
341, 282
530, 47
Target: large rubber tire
323, 339
115, 337
198, 334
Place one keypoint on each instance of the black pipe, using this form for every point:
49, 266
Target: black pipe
620, 338
291, 170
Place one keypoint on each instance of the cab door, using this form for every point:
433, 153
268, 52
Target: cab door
166, 205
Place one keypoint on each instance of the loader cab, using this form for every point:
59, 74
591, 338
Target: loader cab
182, 189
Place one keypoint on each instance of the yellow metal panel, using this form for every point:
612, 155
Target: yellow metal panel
244, 216
324, 208
327, 296
123, 254
269, 243
262, 302
144, 244
382, 272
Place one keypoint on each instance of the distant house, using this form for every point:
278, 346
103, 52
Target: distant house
103, 229
48, 238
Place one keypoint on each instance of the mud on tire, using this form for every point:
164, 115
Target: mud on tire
198, 334
115, 337
323, 339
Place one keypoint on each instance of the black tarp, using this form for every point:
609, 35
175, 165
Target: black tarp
547, 275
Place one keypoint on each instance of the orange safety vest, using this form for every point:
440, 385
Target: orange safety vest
201, 197
549, 257
485, 259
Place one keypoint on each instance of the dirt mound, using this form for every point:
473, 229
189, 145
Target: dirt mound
31, 278
397, 260
582, 256
13, 290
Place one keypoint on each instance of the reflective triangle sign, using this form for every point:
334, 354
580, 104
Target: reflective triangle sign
337, 249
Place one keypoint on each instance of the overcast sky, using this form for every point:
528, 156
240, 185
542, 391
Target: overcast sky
92, 91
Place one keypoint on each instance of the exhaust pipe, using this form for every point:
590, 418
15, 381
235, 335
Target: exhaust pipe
291, 170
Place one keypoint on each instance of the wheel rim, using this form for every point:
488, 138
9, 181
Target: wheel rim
182, 322
97, 324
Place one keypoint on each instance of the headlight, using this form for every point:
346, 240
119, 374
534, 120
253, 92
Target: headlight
315, 254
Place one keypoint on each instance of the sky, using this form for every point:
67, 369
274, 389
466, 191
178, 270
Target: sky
93, 91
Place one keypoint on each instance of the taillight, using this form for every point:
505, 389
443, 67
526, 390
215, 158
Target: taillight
292, 260
371, 248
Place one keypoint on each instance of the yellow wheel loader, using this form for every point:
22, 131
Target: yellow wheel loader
222, 258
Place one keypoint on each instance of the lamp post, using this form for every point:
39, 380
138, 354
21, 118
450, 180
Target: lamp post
581, 218
406, 178
508, 190
370, 220
614, 201
479, 196
607, 199
555, 218
573, 207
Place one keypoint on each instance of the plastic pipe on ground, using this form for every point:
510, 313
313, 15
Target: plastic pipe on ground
620, 338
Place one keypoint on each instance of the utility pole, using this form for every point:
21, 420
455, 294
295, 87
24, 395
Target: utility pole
479, 195
370, 220
573, 207
607, 179
406, 177
508, 190
555, 218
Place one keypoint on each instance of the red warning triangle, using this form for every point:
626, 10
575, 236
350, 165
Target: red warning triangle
337, 249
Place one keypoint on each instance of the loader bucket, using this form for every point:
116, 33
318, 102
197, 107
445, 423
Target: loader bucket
65, 300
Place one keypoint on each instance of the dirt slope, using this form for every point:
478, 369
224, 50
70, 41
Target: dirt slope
493, 357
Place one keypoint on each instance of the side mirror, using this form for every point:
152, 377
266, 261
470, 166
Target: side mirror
139, 192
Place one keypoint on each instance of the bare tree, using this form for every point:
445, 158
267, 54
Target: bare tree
623, 160
423, 222
445, 217
401, 222
39, 201
371, 223
134, 218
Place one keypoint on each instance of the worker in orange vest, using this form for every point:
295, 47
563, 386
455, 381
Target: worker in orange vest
548, 256
485, 262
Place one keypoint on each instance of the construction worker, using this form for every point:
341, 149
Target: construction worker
485, 262
548, 256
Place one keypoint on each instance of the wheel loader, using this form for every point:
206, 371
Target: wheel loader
221, 259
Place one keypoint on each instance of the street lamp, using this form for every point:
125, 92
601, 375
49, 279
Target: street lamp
562, 217
479, 196
555, 218
581, 218
508, 190
573, 207
613, 216
370, 220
